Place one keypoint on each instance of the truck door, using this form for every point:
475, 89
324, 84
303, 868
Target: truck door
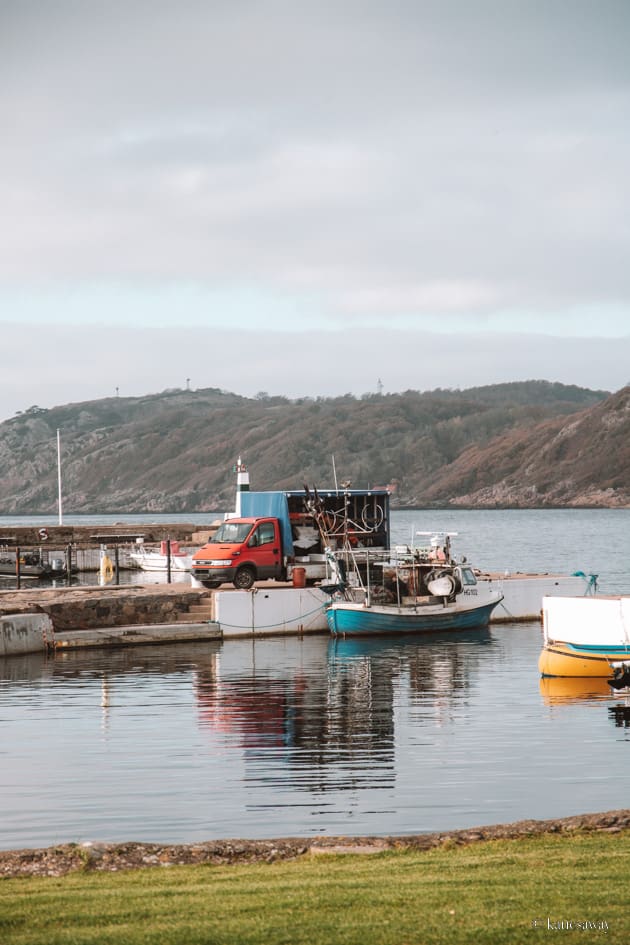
264, 551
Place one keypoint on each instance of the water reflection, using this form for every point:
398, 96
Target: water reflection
333, 721
560, 690
310, 728
620, 715
589, 692
117, 663
439, 664
293, 736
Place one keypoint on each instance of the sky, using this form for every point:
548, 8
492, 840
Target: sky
311, 199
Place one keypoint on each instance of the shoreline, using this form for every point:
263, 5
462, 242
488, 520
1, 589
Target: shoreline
62, 859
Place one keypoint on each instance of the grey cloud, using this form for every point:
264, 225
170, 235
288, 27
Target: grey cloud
411, 154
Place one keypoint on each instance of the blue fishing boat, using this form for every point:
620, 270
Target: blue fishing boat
346, 617
408, 590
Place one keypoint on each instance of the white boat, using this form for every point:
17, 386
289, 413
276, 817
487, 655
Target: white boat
159, 560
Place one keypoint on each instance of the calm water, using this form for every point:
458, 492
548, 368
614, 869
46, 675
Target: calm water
564, 540
314, 736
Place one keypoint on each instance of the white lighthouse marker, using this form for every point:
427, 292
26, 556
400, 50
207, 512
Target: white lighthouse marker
242, 484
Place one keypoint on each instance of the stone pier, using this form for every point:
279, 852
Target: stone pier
38, 619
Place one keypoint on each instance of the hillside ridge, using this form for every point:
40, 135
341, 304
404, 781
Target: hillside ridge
520, 444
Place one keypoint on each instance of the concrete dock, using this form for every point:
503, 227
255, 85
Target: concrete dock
34, 633
33, 620
137, 635
25, 633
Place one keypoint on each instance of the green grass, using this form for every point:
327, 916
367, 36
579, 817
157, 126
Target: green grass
484, 893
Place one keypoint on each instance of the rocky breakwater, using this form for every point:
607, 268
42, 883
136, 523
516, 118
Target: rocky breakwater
100, 607
104, 857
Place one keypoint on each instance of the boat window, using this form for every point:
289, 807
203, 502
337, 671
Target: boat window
468, 577
232, 532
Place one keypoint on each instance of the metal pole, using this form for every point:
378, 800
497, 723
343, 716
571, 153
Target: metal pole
17, 567
168, 560
59, 475
116, 563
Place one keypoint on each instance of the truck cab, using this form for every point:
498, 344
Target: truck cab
242, 551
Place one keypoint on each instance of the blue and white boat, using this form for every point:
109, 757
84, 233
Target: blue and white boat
409, 590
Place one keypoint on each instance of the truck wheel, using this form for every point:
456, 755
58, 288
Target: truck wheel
244, 579
211, 585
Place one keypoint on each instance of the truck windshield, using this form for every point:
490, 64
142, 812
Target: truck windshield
233, 532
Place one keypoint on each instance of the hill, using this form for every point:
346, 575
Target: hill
580, 460
174, 451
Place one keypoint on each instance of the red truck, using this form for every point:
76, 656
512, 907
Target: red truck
242, 551
276, 534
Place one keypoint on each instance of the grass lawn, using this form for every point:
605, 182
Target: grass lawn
507, 891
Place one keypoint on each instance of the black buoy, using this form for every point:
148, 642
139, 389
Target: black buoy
621, 676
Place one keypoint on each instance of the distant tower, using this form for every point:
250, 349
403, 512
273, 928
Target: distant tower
187, 383
379, 387
242, 483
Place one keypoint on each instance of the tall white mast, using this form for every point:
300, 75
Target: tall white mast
59, 476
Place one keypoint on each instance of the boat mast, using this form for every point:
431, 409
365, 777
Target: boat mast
59, 476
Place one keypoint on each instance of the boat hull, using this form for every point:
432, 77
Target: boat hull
30, 571
568, 659
38, 571
158, 562
356, 619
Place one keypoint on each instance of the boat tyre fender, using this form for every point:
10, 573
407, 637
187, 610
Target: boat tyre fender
437, 574
43, 534
457, 581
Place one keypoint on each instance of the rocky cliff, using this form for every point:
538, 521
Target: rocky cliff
579, 460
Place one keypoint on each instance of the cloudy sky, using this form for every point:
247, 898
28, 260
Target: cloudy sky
309, 197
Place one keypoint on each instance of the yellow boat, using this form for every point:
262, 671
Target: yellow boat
586, 637
567, 659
